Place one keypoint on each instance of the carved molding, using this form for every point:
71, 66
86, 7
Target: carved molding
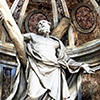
84, 49
88, 52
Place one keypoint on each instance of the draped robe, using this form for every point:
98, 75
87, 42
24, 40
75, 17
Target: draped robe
46, 62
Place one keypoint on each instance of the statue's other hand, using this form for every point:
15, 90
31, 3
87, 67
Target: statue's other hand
87, 68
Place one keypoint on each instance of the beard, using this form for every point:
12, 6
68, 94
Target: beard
43, 31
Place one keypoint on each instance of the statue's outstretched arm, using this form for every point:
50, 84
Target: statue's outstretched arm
72, 65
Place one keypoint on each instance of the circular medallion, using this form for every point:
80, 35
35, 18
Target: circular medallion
32, 20
84, 18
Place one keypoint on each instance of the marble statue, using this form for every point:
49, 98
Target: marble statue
44, 76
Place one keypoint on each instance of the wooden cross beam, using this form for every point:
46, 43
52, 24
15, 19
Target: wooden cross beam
3, 36
13, 31
21, 17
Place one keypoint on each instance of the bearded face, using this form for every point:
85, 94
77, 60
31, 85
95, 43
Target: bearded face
43, 27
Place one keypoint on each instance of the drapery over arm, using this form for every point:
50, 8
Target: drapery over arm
76, 66
72, 65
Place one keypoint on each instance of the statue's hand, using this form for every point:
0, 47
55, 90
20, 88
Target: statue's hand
87, 68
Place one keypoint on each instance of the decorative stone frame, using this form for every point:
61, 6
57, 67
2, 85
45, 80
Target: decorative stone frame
78, 27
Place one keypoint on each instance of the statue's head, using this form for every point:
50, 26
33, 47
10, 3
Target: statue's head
43, 27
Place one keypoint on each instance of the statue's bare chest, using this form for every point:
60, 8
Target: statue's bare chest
45, 43
46, 47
